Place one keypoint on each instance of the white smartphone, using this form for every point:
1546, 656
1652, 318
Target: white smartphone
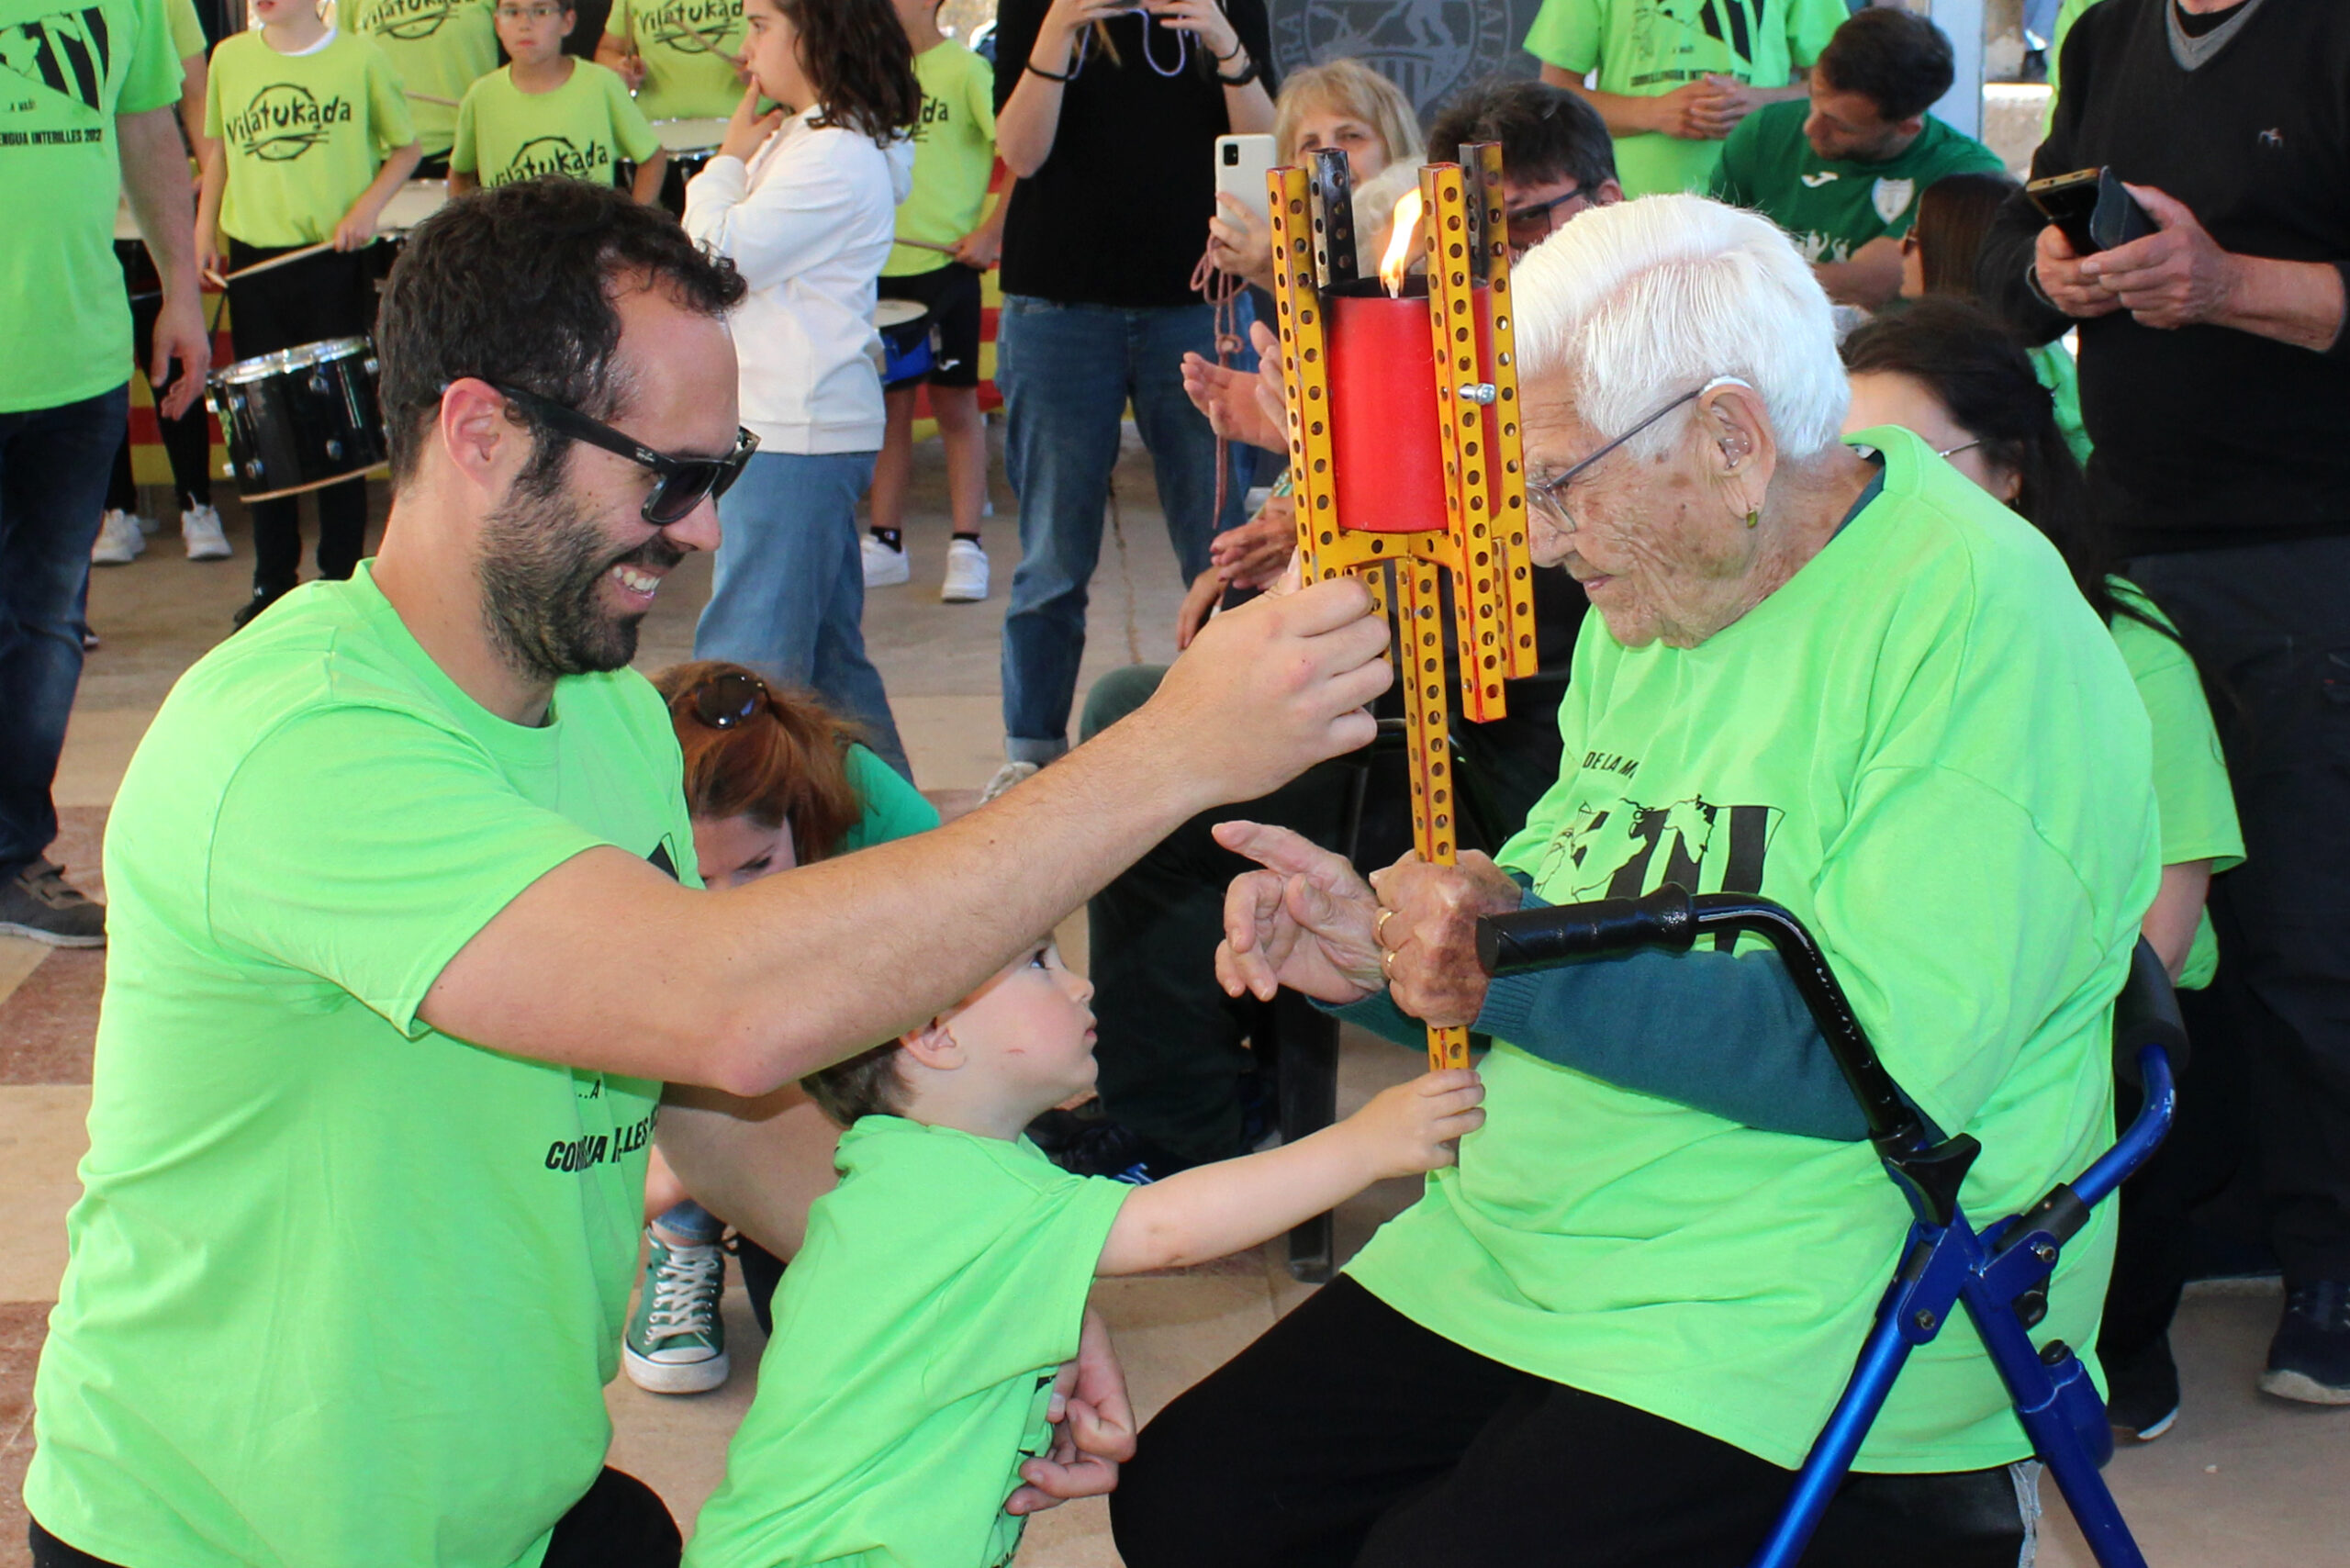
1241, 165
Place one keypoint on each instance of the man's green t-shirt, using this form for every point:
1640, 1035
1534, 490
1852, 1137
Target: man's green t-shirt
304, 133
580, 129
65, 74
1832, 207
439, 46
688, 49
1927, 747
2196, 808
343, 1289
1648, 48
954, 156
916, 1339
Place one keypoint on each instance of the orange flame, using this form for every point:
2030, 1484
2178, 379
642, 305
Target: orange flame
1402, 230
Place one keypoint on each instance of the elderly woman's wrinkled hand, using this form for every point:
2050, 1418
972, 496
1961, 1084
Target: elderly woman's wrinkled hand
1426, 931
1306, 922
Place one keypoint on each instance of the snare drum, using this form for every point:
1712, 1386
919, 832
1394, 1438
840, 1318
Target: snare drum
299, 419
691, 144
908, 353
409, 207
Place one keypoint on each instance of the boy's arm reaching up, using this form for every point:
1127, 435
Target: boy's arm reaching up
1214, 1209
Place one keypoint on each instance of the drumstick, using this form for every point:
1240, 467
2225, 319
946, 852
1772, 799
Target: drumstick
927, 245
303, 254
429, 98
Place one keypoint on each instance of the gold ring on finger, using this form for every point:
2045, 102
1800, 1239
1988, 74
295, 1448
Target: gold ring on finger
1387, 963
1378, 927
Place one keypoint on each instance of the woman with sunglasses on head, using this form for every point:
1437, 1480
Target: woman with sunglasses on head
803, 200
1948, 371
772, 781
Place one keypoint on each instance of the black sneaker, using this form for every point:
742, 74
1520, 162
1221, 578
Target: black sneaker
2144, 1398
262, 599
38, 903
2310, 1358
1095, 1146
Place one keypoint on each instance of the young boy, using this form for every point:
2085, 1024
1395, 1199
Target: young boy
954, 156
548, 113
919, 1332
440, 48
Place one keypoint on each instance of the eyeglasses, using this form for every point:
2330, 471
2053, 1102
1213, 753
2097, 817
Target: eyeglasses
1521, 222
1962, 446
528, 12
1551, 495
727, 699
684, 482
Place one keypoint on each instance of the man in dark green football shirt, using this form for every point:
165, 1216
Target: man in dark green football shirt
1842, 173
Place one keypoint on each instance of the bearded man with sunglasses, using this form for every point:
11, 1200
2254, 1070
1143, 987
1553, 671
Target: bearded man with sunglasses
402, 958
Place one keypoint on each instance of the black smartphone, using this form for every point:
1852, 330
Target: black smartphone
2092, 210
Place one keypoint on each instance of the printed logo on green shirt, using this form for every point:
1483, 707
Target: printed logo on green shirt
697, 27
1623, 850
1735, 23
66, 52
557, 155
409, 20
285, 120
571, 1156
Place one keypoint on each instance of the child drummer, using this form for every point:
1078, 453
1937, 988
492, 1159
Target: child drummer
917, 1335
679, 57
309, 136
548, 113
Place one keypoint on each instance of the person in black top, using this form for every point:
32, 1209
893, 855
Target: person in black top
1108, 111
2215, 382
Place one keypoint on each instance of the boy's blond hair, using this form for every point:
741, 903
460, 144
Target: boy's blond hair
1351, 88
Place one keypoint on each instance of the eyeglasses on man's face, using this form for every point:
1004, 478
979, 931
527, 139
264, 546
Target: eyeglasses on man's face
1550, 496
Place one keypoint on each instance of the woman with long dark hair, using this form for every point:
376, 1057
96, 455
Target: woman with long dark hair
803, 200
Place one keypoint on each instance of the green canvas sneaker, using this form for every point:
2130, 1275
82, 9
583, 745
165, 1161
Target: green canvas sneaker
676, 1342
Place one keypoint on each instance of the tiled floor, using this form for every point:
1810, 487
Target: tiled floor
2243, 1482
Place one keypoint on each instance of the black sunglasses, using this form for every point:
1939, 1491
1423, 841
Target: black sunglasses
683, 482
727, 699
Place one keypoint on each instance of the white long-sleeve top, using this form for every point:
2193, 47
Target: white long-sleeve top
807, 222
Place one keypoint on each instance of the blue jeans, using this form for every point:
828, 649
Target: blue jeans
786, 596
54, 464
1067, 372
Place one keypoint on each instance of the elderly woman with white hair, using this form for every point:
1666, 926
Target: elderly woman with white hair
1835, 675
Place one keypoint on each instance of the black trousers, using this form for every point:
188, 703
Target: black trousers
187, 440
1348, 1435
2269, 625
331, 295
620, 1523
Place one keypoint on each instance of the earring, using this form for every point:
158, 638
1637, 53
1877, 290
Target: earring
1753, 517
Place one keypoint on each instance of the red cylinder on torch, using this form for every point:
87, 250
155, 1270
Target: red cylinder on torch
1384, 439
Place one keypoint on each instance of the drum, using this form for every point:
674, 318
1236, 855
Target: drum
411, 205
690, 143
908, 353
299, 419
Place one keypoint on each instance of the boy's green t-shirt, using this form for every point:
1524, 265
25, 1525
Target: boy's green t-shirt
2196, 808
65, 73
688, 48
304, 133
1926, 746
916, 1339
440, 48
400, 1262
188, 29
1648, 48
580, 129
954, 156
1830, 208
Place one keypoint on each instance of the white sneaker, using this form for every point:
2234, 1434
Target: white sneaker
884, 568
200, 531
119, 542
966, 572
1010, 774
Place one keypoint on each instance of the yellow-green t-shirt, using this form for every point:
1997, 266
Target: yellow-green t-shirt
188, 29
1926, 746
2196, 808
304, 133
954, 156
317, 821
1648, 48
916, 1339
65, 74
439, 46
580, 129
688, 49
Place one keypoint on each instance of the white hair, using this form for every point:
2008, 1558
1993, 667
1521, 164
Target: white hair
1644, 300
